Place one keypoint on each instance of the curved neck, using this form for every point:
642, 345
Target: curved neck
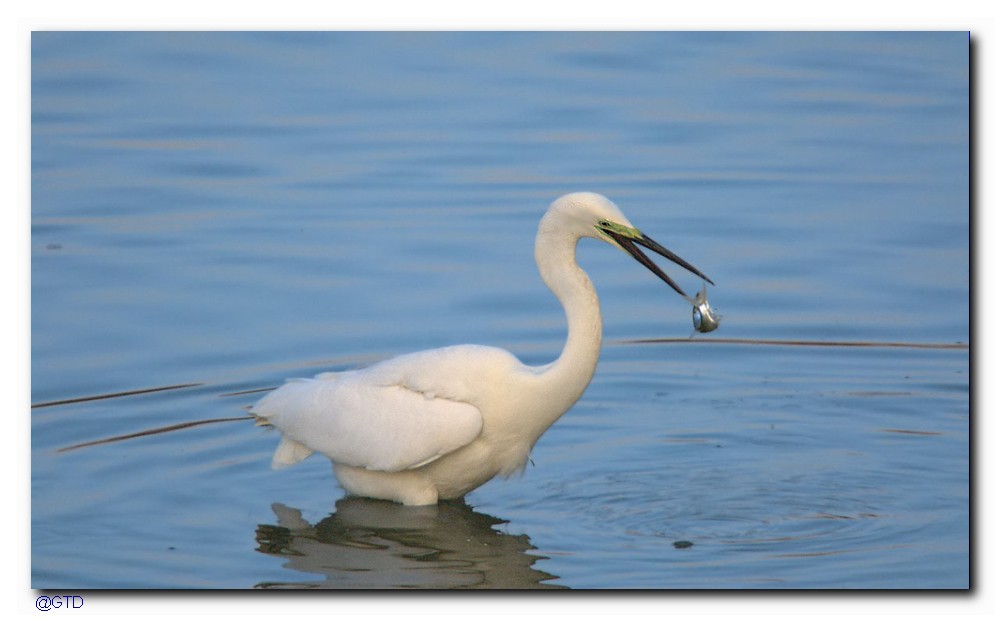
568, 377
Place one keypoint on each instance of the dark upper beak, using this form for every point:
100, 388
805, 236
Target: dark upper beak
629, 245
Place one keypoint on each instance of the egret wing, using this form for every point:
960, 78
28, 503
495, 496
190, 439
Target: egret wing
355, 421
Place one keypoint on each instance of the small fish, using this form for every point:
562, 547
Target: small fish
705, 319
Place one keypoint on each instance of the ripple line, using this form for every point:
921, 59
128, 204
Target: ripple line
803, 343
83, 399
152, 431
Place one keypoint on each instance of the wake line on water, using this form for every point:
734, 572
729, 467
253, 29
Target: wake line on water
803, 343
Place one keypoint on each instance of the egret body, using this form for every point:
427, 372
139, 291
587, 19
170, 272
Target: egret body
437, 424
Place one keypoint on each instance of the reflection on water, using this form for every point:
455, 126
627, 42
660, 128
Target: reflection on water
377, 544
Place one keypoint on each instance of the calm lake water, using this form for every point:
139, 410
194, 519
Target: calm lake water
215, 212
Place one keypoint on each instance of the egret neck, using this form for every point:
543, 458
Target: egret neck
566, 379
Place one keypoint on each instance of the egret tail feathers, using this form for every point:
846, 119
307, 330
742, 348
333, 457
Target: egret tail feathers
289, 453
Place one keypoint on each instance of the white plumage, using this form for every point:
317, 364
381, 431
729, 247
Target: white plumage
437, 424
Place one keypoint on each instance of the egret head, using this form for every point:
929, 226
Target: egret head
592, 215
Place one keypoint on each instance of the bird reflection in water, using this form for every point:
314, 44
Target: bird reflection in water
369, 543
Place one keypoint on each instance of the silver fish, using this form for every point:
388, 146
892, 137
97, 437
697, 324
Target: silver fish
704, 318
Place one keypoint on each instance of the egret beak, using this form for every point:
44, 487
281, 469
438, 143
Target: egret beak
628, 238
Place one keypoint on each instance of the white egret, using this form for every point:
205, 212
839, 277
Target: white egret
437, 424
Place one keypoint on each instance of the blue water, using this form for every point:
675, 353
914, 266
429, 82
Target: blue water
224, 210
